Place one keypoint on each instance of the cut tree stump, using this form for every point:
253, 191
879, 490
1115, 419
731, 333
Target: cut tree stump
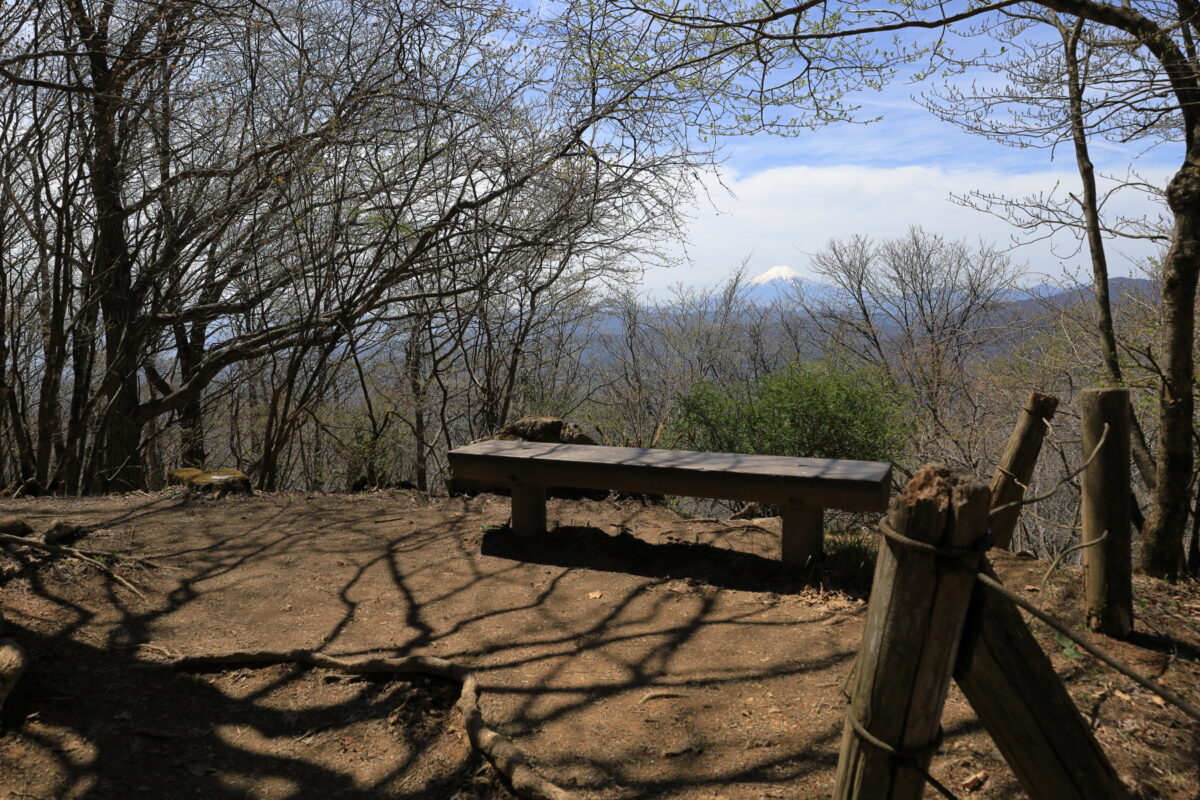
12, 664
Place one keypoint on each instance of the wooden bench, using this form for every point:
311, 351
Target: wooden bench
802, 487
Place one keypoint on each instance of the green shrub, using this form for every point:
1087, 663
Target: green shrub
810, 409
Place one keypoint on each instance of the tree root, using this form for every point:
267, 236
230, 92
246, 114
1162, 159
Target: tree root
495, 747
82, 555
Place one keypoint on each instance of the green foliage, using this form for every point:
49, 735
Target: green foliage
810, 409
1069, 649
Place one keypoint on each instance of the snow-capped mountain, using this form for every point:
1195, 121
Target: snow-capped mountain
779, 273
782, 281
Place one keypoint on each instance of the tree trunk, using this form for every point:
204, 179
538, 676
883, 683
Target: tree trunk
1162, 536
417, 386
1090, 204
120, 466
83, 357
189, 346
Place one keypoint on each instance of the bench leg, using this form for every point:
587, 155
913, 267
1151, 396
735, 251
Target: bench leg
803, 535
528, 509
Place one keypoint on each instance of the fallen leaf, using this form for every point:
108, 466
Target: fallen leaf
1033, 588
975, 782
1122, 695
595, 595
1158, 701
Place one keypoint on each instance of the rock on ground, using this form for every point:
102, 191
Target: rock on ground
15, 526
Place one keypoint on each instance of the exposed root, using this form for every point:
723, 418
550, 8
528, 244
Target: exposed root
82, 555
495, 747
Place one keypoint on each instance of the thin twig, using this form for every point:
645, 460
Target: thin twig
1058, 559
1051, 522
60, 550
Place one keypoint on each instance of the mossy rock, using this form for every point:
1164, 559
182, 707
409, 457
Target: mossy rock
216, 481
544, 429
183, 476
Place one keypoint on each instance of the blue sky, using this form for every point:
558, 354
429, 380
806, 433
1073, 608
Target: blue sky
788, 196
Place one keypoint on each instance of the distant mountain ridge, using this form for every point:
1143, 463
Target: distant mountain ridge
784, 281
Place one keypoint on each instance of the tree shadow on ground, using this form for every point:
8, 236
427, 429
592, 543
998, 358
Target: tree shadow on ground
119, 727
651, 671
587, 547
1162, 643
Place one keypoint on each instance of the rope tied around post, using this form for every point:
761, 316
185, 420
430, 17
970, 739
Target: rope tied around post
913, 755
962, 553
948, 552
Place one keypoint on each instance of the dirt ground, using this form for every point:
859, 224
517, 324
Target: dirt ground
630, 653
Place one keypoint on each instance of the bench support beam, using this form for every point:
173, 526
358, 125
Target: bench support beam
528, 509
803, 535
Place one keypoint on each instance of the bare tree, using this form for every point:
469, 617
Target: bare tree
192, 187
1069, 89
823, 45
925, 312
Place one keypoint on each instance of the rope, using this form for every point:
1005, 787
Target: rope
917, 756
1065, 480
913, 755
938, 551
1061, 627
960, 553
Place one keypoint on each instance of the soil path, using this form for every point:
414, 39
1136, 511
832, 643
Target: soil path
630, 653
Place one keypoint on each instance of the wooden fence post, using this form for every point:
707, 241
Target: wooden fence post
914, 621
1106, 492
1019, 698
1016, 466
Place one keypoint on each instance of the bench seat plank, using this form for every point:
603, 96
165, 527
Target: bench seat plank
809, 482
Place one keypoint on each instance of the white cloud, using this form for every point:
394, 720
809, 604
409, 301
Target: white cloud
779, 216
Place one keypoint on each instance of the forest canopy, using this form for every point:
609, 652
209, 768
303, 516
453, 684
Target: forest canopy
324, 242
